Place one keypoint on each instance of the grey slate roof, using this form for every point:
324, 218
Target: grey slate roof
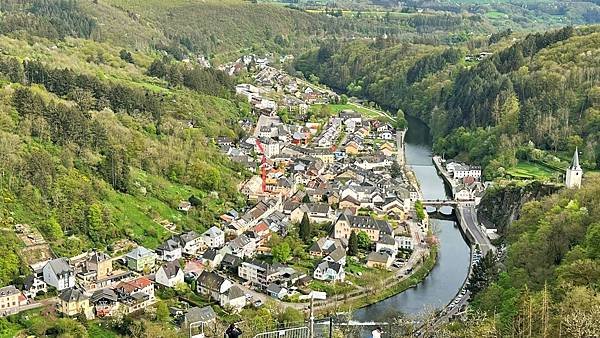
139, 252
367, 222
378, 257
104, 294
60, 266
210, 280
72, 295
387, 239
171, 269
8, 291
196, 314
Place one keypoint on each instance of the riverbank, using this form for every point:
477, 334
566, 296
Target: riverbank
397, 286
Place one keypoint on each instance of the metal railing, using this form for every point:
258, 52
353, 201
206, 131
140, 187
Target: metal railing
297, 332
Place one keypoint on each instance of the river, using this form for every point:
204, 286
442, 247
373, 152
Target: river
452, 266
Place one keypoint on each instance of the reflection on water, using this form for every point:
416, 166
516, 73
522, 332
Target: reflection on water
452, 266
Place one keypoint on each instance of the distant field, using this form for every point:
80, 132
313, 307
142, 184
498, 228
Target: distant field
496, 15
336, 108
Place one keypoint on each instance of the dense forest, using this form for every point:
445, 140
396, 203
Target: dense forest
540, 91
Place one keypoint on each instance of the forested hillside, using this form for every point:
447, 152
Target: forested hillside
94, 152
541, 88
222, 29
548, 286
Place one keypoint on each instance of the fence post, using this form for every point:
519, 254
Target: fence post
330, 327
312, 318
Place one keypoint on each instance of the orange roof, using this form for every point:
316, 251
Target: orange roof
135, 284
141, 282
260, 227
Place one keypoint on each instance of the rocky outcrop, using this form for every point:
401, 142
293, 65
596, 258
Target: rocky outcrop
502, 203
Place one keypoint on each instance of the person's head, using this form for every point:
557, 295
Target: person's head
379, 329
232, 326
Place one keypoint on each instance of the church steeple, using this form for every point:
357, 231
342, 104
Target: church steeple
574, 172
575, 162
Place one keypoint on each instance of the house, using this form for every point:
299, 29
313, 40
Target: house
105, 303
9, 300
460, 171
73, 301
379, 260
184, 206
231, 263
337, 255
170, 250
387, 244
190, 242
234, 298
136, 294
386, 135
352, 148
211, 258
345, 224
196, 315
169, 275
319, 212
242, 246
276, 291
101, 263
324, 246
33, 285
405, 242
141, 259
212, 285
329, 271
59, 274
213, 238
257, 272
349, 202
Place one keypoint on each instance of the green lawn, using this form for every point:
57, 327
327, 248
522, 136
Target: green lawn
330, 288
97, 330
529, 170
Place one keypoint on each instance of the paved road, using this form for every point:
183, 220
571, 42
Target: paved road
468, 217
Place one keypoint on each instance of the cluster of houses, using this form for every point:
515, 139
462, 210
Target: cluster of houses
275, 89
337, 171
466, 181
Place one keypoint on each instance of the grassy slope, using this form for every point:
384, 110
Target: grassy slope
135, 213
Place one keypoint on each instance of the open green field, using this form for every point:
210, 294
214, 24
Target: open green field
529, 170
336, 108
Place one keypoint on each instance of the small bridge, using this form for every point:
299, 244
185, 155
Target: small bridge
440, 203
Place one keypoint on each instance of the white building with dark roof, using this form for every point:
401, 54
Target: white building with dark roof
59, 274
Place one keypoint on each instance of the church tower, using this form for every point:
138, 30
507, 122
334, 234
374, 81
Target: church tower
574, 173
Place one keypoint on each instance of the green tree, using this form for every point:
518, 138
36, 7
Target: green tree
305, 231
353, 244
592, 241
162, 312
95, 223
52, 229
281, 252
419, 210
364, 241
343, 99
395, 169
